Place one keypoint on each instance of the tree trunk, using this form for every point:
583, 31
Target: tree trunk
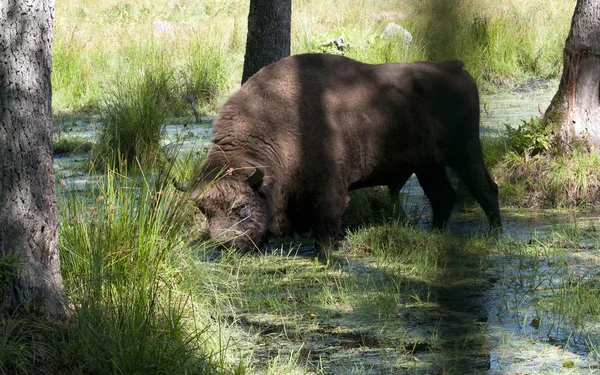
575, 109
28, 209
268, 40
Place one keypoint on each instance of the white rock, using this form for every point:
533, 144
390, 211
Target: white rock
393, 30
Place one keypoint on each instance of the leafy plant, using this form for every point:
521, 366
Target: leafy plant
530, 137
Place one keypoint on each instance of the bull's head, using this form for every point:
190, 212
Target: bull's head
234, 204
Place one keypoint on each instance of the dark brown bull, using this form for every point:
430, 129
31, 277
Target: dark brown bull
302, 132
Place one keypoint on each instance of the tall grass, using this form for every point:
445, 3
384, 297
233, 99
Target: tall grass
500, 42
549, 181
128, 272
208, 78
132, 115
76, 79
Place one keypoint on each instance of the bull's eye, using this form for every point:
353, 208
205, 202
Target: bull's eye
243, 209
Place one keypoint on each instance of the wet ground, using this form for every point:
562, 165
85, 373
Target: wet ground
484, 321
477, 320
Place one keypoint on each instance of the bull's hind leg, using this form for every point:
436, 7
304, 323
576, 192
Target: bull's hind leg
477, 179
441, 195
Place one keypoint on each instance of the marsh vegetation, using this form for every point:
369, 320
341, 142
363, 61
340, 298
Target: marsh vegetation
150, 293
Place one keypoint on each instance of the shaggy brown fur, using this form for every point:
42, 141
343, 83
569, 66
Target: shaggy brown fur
322, 125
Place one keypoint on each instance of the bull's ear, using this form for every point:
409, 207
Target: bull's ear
255, 178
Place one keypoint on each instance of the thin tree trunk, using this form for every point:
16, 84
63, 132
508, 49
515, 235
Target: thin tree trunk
268, 40
575, 109
28, 209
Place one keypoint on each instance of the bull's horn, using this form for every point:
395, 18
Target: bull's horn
257, 175
183, 186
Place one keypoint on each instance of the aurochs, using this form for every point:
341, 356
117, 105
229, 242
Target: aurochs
301, 133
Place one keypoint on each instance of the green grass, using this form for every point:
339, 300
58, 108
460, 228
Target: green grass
208, 77
149, 294
371, 206
133, 115
531, 173
71, 144
96, 44
367, 296
409, 298
549, 181
23, 345
140, 302
500, 42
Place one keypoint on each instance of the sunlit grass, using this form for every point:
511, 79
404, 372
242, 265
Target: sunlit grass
549, 181
500, 42
132, 282
133, 113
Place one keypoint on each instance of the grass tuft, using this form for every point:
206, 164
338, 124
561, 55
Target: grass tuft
550, 182
127, 270
132, 115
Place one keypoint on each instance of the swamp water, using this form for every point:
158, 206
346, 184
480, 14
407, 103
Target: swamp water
494, 316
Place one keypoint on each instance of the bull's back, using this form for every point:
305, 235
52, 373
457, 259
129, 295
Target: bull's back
306, 111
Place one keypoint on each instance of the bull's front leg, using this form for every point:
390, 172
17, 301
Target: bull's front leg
327, 213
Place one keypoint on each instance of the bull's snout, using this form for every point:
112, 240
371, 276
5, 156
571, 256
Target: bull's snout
232, 239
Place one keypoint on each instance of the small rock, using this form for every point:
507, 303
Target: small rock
393, 31
338, 43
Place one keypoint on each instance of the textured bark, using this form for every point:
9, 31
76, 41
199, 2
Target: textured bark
268, 40
28, 209
575, 109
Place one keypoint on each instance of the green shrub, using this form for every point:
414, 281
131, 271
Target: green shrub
530, 137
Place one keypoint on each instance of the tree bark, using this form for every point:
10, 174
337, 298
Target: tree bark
28, 209
268, 39
575, 109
